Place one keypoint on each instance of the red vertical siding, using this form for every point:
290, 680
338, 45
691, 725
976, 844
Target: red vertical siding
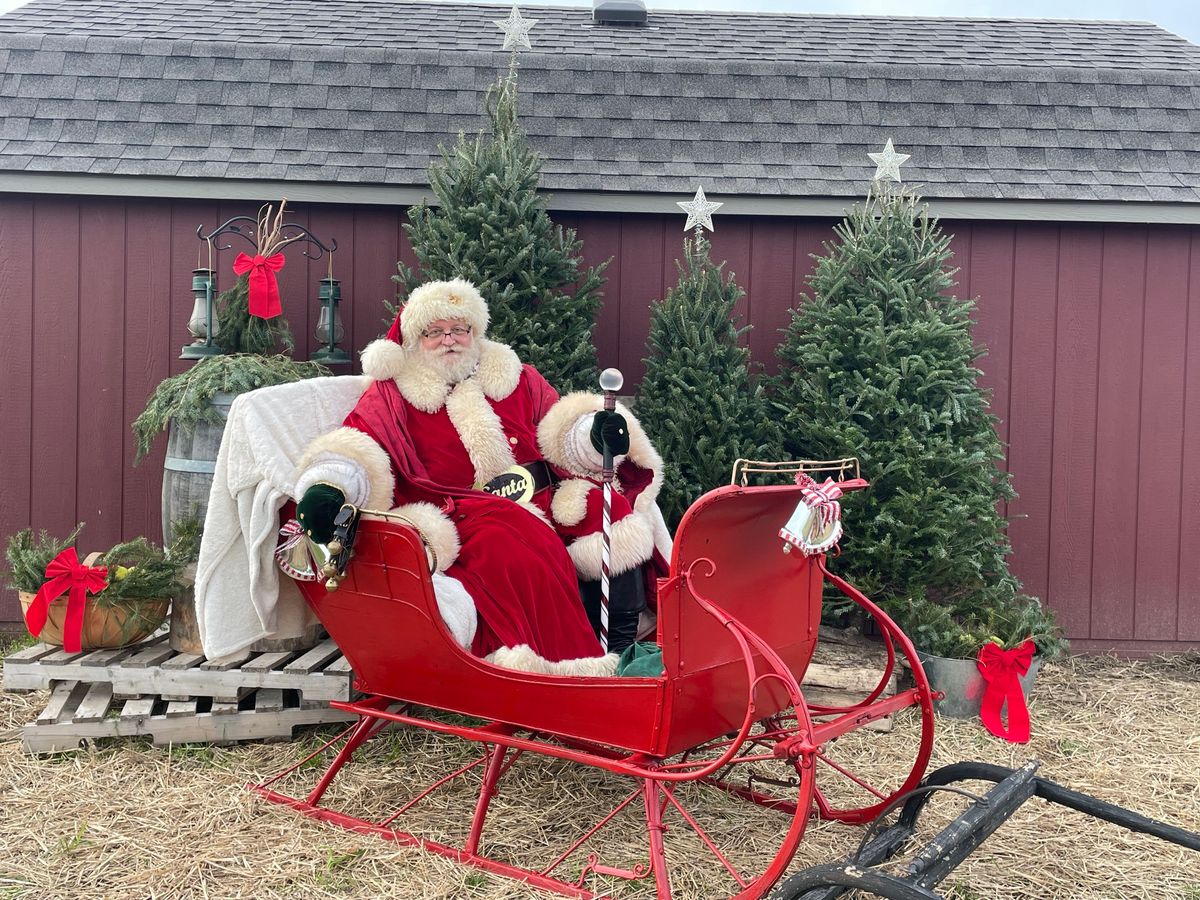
1189, 513
1073, 464
1093, 335
1114, 551
16, 375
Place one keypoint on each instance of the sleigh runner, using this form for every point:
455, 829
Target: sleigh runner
738, 621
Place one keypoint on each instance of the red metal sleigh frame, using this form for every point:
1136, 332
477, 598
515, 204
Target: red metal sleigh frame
738, 622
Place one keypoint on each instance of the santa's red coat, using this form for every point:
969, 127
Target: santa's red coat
512, 563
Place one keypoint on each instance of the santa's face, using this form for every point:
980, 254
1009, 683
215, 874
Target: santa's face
449, 347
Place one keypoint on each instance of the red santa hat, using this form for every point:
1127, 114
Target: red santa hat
455, 299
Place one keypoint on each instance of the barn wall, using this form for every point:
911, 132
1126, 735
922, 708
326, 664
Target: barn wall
1093, 334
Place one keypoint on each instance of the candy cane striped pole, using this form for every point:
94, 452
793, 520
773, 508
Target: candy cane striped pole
610, 382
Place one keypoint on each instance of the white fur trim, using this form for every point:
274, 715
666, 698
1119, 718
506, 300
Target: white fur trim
457, 609
632, 545
499, 369
480, 430
382, 359
564, 436
569, 505
524, 659
436, 528
455, 299
351, 445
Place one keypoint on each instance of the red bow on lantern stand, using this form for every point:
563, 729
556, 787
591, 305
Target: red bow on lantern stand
66, 572
1002, 671
264, 289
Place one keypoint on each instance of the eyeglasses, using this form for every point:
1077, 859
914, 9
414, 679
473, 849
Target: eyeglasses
436, 334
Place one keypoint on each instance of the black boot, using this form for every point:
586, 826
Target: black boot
626, 600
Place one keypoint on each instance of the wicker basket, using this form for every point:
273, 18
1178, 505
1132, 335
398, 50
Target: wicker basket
103, 626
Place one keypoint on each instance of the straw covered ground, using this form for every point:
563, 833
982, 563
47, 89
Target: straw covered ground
133, 821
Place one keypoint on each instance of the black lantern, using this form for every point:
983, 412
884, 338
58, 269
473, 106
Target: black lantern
202, 325
329, 325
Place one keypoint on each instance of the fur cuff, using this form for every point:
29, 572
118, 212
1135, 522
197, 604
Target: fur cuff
437, 530
375, 482
569, 505
632, 545
524, 659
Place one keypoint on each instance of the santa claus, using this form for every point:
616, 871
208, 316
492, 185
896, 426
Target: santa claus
501, 477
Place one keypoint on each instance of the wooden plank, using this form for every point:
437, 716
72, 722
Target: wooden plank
102, 320
60, 656
1160, 449
991, 262
104, 657
374, 264
152, 339
601, 236
731, 244
63, 700
772, 275
268, 700
151, 656
1031, 401
315, 658
54, 390
17, 214
1189, 519
1073, 469
222, 708
339, 666
224, 665
268, 661
820, 696
140, 708
1114, 554
844, 678
30, 654
643, 279
178, 708
182, 661
94, 704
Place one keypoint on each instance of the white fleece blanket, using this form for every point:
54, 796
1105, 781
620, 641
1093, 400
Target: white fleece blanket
238, 597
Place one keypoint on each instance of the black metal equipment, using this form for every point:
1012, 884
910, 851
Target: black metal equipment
956, 841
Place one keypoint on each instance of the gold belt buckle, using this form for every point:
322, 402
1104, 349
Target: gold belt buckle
514, 483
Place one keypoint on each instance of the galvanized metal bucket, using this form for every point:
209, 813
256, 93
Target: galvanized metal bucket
960, 681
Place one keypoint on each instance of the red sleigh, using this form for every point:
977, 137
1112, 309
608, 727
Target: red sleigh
737, 622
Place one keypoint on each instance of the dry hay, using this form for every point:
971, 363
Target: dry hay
132, 821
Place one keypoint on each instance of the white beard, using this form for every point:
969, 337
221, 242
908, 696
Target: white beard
454, 363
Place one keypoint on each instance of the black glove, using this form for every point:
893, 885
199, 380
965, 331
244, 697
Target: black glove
610, 428
316, 511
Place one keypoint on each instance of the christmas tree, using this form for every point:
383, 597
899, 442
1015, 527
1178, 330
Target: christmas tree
880, 363
698, 401
491, 228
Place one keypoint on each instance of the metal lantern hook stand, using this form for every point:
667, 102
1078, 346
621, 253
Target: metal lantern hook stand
204, 285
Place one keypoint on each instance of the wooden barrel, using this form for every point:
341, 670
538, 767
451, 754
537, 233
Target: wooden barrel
188, 468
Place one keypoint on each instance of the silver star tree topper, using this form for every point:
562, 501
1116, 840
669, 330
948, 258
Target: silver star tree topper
699, 210
887, 163
516, 30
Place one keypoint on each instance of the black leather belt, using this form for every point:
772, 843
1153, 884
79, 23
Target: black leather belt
520, 482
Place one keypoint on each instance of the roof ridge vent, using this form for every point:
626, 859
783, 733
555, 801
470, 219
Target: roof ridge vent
623, 13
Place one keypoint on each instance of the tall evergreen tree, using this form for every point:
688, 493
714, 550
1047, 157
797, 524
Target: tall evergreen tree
880, 363
491, 228
698, 401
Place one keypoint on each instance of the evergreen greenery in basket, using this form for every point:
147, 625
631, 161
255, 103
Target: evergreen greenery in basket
141, 576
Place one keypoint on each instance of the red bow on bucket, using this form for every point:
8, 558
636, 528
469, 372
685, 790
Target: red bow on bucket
1002, 670
264, 290
66, 572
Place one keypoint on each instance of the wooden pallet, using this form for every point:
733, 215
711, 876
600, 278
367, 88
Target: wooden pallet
80, 712
152, 668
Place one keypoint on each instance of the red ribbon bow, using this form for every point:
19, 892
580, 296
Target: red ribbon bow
822, 498
264, 289
66, 572
1002, 670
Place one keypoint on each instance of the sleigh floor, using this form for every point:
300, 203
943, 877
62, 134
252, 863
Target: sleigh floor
151, 690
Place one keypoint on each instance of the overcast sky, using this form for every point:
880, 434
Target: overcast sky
1179, 16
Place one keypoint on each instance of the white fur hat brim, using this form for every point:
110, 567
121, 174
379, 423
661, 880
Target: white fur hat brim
455, 299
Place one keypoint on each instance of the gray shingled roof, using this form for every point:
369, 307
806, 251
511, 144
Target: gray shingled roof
765, 105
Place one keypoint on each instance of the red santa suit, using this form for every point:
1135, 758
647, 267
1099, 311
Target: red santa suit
421, 446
